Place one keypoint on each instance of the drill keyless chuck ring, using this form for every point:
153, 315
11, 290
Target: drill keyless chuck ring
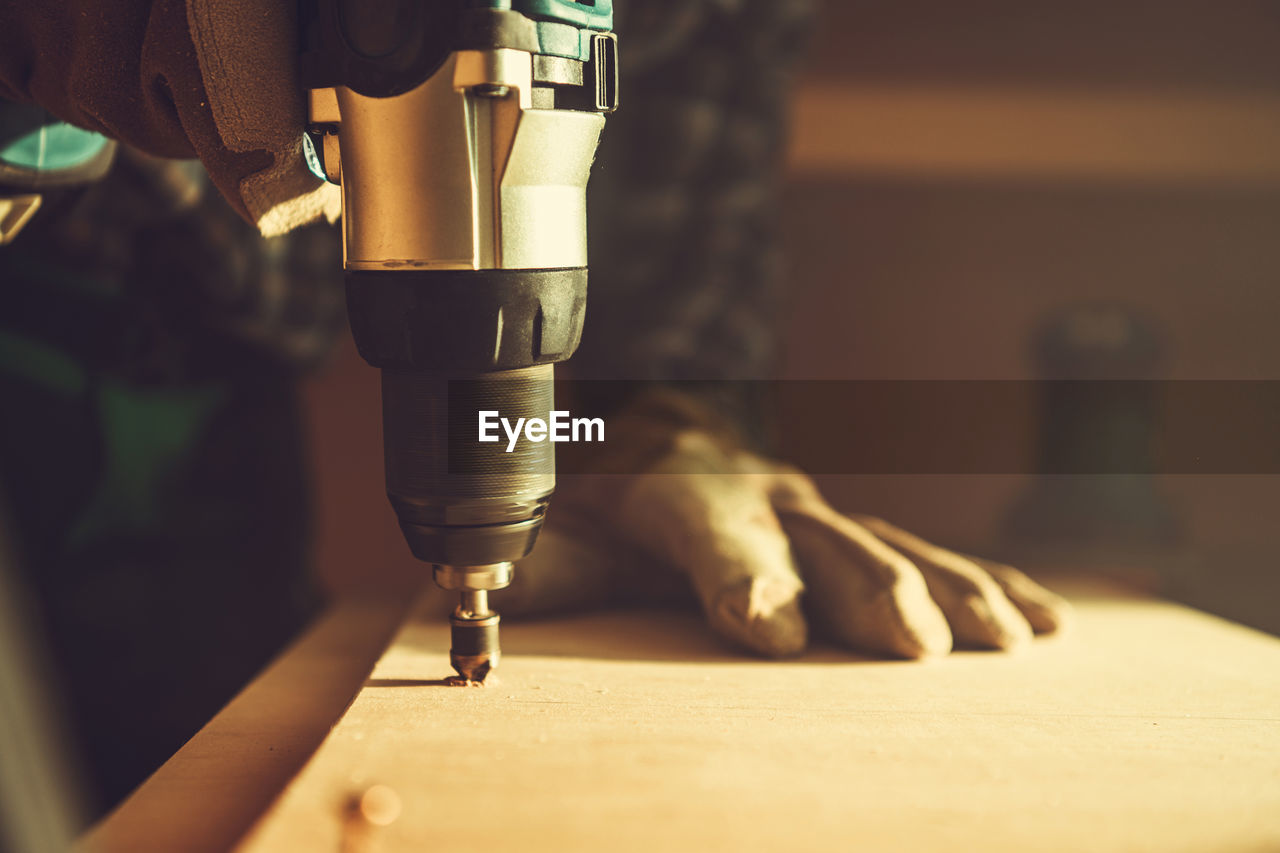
492, 576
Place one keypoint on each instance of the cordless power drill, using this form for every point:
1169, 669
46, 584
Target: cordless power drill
462, 133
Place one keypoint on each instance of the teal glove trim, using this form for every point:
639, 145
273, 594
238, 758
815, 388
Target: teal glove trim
32, 139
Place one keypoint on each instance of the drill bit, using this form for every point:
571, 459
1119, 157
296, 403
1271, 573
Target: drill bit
474, 633
473, 650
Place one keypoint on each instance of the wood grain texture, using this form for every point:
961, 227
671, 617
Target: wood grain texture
1150, 727
213, 789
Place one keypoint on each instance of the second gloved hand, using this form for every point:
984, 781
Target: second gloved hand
767, 557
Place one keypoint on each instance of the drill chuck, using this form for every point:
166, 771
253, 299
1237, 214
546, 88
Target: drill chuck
452, 344
473, 649
461, 502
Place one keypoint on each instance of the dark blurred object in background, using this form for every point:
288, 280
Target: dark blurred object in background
961, 171
150, 453
1082, 516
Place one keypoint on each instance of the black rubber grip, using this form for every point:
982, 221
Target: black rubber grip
465, 321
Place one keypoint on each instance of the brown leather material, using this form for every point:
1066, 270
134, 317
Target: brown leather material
124, 68
248, 57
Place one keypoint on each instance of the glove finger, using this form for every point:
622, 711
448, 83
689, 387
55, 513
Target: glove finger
979, 612
720, 530
863, 594
761, 614
1047, 611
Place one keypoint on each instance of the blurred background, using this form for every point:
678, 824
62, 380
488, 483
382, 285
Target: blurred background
996, 190
993, 191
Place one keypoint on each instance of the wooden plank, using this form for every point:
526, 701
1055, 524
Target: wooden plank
1150, 727
1007, 132
208, 795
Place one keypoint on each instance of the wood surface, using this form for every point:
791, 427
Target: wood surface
213, 789
1150, 727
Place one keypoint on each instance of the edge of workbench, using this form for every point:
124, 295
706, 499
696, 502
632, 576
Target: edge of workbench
212, 791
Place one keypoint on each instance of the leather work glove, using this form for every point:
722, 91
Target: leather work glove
765, 554
178, 78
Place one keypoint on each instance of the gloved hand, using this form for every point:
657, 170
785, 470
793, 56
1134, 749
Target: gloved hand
765, 554
178, 78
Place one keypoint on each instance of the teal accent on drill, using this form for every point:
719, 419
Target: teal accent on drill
30, 138
147, 436
564, 27
314, 164
595, 15
563, 40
